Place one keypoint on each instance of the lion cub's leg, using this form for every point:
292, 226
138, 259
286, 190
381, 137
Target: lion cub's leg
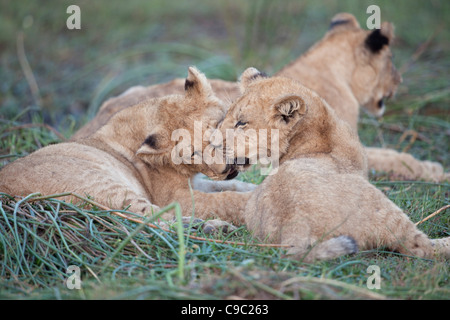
412, 241
118, 193
145, 208
227, 205
399, 233
121, 197
404, 165
419, 245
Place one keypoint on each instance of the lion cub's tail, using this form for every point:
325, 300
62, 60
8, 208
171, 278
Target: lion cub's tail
325, 250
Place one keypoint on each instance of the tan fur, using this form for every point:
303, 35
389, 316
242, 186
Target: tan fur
224, 90
320, 200
341, 69
120, 166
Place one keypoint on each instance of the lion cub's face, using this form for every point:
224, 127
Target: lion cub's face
258, 125
375, 77
183, 127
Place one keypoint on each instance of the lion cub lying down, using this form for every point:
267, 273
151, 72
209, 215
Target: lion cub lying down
320, 200
128, 162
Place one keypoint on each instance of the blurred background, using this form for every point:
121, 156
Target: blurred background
59, 77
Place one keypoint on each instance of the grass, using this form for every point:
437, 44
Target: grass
125, 44
121, 259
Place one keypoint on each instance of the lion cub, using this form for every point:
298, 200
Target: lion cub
320, 200
128, 162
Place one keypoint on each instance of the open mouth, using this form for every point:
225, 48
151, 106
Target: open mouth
232, 174
381, 107
240, 164
381, 103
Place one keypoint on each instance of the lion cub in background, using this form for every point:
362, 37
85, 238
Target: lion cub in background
128, 163
320, 200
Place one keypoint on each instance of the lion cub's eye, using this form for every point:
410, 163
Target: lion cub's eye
240, 124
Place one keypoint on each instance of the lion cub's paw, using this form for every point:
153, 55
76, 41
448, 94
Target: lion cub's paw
216, 225
142, 207
441, 246
187, 221
208, 227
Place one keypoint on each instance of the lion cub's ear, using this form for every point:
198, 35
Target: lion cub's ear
196, 84
153, 144
289, 107
379, 38
342, 21
248, 76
